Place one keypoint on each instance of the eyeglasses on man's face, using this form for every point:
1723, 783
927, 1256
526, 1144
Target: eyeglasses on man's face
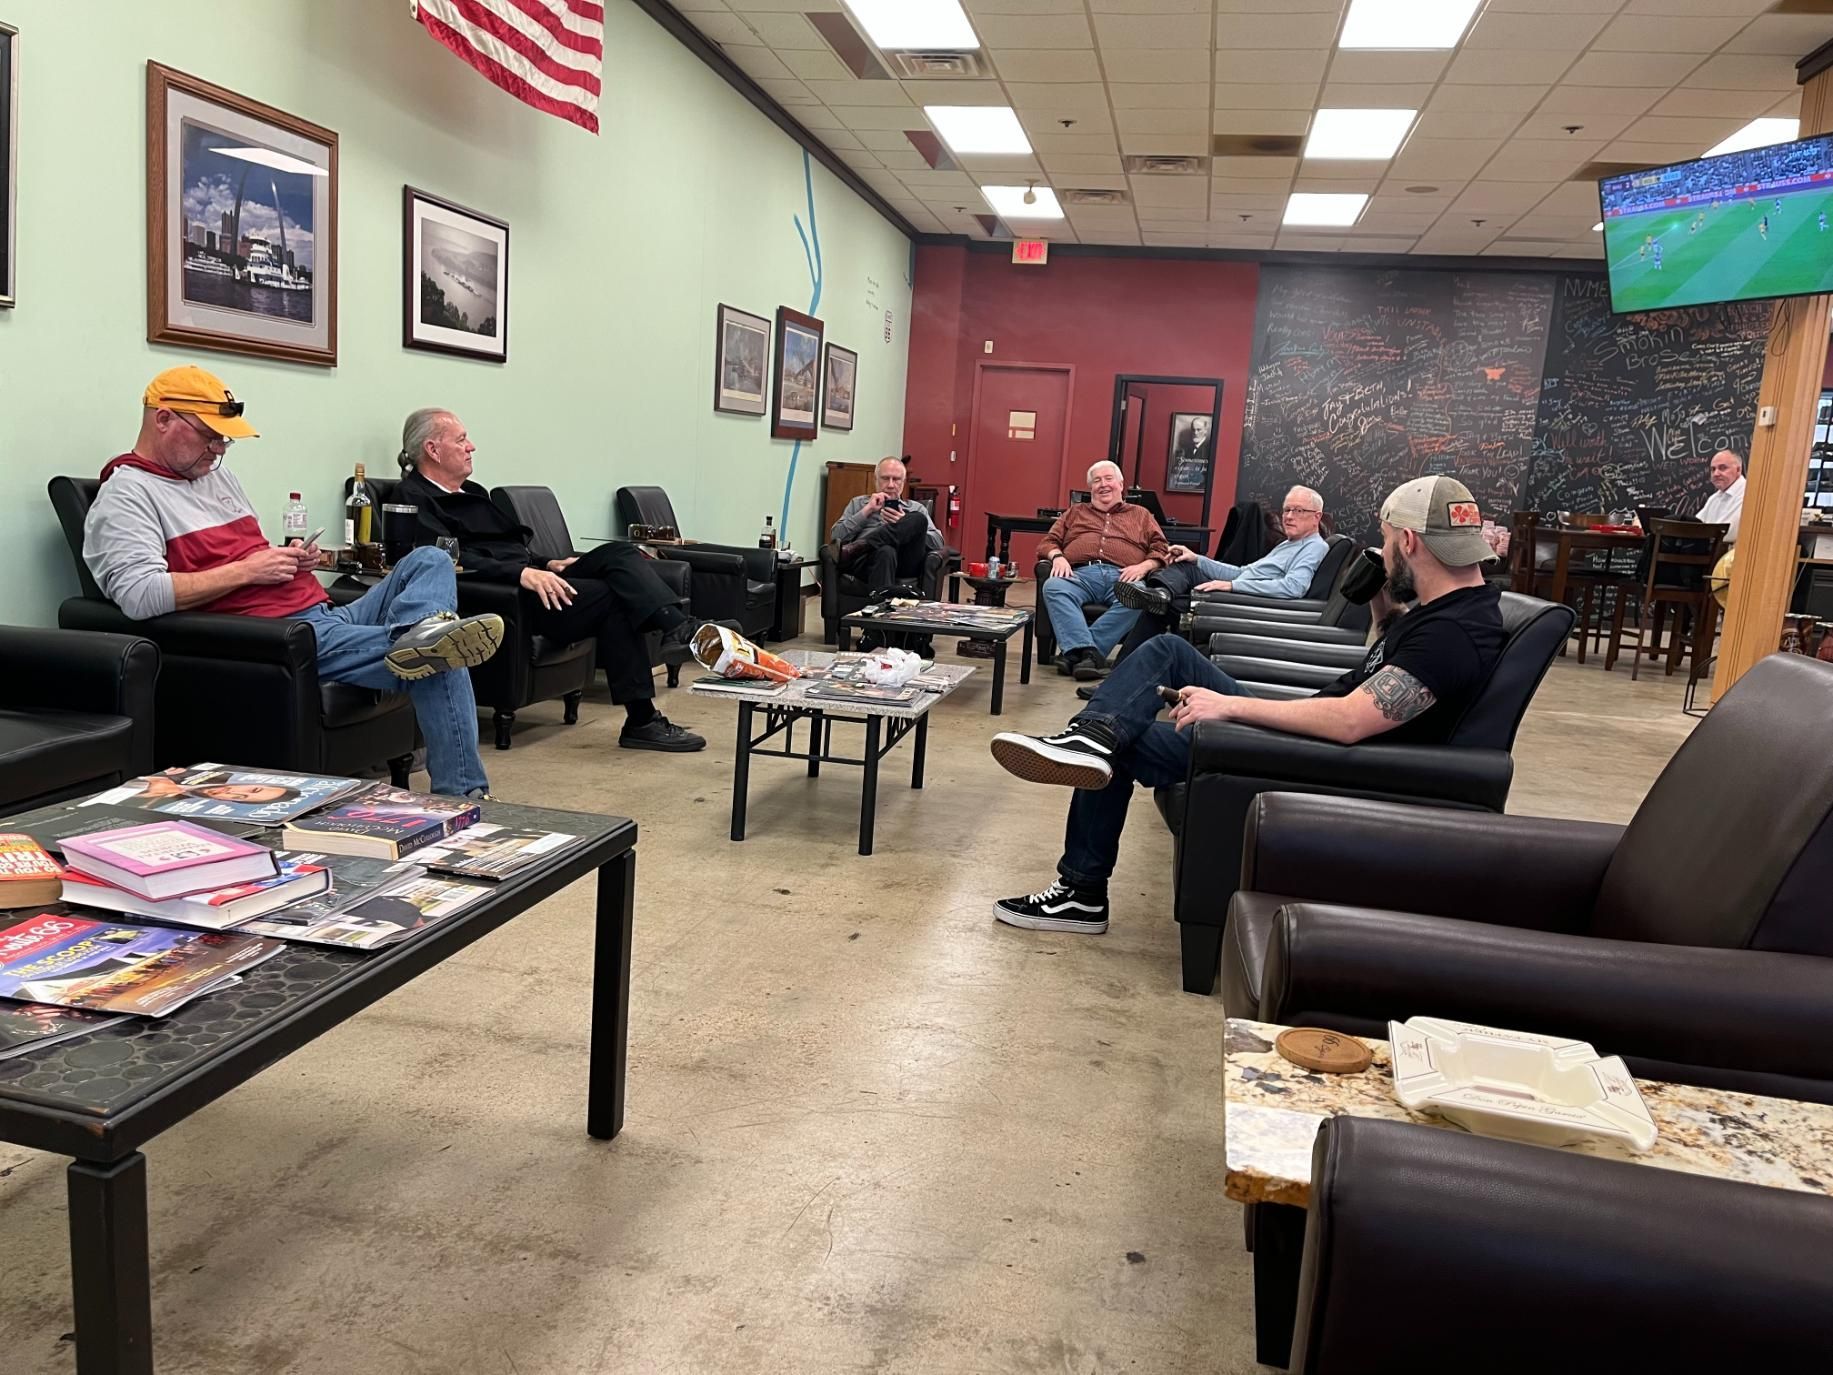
1300, 511
204, 432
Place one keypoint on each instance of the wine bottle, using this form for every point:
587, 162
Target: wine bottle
359, 511
767, 540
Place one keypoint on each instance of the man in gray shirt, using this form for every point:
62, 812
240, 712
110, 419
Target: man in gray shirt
884, 539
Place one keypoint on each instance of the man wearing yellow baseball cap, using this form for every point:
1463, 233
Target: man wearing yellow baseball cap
172, 530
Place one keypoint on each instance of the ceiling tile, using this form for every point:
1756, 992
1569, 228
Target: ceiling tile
1092, 181
1701, 132
1337, 176
979, 7
1741, 105
788, 94
1047, 64
1034, 31
1486, 99
1576, 198
1247, 240
921, 93
1285, 95
1648, 154
1046, 144
785, 32
856, 92
760, 61
1515, 67
1553, 126
1282, 30
1783, 35
823, 65
1605, 7
1253, 167
905, 159
1260, 121
932, 181
861, 117
1279, 6
1492, 198
1233, 203
1050, 96
781, 6
1156, 64
1153, 30
1567, 99
1272, 65
1386, 222
1160, 96
1497, 28
1085, 169
1386, 67
1162, 121
1541, 160
1345, 95
1081, 121
1023, 168
1358, 242
1100, 7
1665, 33
1631, 69
843, 142
857, 159
1161, 240
1428, 159
1250, 186
1740, 72
1393, 198
1164, 145
1465, 124
725, 27
1301, 241
883, 139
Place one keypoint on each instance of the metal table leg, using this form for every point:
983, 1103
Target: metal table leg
1024, 662
999, 676
610, 1037
815, 745
741, 770
1279, 1244
922, 742
868, 796
109, 1278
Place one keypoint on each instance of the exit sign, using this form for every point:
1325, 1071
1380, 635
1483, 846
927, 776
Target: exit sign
1036, 252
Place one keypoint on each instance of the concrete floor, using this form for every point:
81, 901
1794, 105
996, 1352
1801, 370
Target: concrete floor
868, 1128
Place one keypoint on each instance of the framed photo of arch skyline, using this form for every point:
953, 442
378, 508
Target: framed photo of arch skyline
241, 223
9, 157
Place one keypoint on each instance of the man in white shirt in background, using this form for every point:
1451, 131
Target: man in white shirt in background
1726, 504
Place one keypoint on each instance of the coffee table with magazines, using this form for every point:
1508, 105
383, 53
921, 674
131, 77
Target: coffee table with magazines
991, 624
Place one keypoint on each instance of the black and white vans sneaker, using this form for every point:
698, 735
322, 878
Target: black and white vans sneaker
1058, 908
1073, 758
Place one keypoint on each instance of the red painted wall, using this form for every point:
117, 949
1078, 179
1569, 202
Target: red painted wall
1105, 316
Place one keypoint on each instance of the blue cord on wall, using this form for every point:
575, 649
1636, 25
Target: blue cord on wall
813, 255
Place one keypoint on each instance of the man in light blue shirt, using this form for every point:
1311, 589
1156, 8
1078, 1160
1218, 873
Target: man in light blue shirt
1285, 572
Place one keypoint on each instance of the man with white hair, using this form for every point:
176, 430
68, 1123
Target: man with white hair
1726, 504
1285, 572
1094, 546
883, 538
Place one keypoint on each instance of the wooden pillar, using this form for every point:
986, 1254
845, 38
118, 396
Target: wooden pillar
1763, 575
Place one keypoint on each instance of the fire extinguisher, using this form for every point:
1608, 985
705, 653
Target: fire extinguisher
954, 506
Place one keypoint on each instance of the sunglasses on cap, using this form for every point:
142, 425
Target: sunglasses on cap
199, 406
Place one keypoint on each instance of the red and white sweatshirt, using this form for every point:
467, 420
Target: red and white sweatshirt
147, 524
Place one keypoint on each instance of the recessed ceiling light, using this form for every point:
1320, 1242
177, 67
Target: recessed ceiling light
978, 128
1406, 23
1324, 207
1371, 134
1010, 202
1759, 133
894, 24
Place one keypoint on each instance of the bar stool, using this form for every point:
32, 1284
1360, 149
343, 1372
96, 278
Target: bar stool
1681, 555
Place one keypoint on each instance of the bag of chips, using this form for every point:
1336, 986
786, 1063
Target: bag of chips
731, 655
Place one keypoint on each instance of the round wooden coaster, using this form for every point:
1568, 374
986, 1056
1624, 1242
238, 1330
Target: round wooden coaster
1328, 1051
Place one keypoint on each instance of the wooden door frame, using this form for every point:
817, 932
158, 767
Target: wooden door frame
1069, 405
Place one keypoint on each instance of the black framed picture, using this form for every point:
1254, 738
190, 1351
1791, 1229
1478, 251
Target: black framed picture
741, 362
9, 158
455, 278
841, 376
798, 375
1187, 467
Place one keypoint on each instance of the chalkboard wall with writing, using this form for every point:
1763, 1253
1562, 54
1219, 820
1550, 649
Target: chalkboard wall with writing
1522, 385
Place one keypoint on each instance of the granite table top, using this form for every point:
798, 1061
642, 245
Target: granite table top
1272, 1108
794, 693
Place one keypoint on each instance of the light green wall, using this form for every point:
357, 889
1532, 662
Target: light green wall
621, 247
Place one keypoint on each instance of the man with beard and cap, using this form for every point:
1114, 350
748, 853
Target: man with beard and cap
1414, 686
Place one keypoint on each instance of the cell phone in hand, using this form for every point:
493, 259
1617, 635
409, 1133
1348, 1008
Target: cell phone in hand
314, 536
1170, 695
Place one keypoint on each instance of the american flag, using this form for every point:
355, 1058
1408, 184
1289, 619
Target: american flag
548, 53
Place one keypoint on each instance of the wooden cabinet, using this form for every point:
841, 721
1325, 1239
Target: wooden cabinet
844, 481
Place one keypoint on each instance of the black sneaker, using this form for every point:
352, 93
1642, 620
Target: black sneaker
1142, 596
1088, 667
659, 733
1073, 758
1058, 908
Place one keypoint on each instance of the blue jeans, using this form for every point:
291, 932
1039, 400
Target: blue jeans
352, 640
1151, 752
1063, 598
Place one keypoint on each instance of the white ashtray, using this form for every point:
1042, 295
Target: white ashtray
1516, 1085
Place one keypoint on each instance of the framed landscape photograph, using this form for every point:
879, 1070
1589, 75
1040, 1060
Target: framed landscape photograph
241, 223
9, 158
837, 388
798, 375
455, 273
741, 362
1187, 465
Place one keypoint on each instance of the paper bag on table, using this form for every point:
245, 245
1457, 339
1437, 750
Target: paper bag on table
731, 655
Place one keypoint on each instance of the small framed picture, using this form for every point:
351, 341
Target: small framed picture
241, 223
455, 276
9, 157
1187, 465
798, 375
741, 362
837, 388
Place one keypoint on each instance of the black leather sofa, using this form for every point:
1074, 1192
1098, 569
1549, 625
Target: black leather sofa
1231, 765
731, 582
1696, 941
242, 689
1433, 1252
76, 713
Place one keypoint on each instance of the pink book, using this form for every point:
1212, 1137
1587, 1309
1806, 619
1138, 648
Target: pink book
168, 859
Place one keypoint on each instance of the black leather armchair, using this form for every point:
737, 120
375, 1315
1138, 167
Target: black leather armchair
1231, 765
1340, 615
76, 713
1324, 580
1694, 942
842, 594
731, 582
1541, 1260
539, 510
283, 716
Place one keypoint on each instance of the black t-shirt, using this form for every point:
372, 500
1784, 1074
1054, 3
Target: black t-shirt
1449, 644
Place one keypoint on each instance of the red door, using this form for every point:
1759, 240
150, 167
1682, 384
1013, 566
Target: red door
1015, 465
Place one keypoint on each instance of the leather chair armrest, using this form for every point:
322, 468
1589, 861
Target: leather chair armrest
1251, 601
1323, 654
1477, 778
676, 575
1521, 871
205, 634
74, 670
1758, 1011
759, 565
712, 561
1586, 1265
1301, 631
1254, 670
1204, 620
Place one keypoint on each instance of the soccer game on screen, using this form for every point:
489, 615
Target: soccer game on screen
1730, 228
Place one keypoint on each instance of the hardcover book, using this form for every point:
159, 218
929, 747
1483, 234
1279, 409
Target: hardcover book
168, 859
222, 791
215, 910
74, 961
28, 876
381, 822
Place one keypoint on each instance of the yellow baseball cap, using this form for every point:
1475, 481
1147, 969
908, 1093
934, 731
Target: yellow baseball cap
192, 390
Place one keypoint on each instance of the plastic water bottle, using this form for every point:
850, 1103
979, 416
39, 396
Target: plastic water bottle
295, 524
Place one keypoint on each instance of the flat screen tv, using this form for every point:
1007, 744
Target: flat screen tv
1737, 227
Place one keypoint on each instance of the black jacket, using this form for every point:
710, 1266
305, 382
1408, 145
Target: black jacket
491, 545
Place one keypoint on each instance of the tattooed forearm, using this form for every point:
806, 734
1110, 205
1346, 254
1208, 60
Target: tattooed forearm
1398, 694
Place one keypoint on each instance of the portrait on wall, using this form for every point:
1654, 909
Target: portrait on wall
455, 275
241, 223
741, 362
798, 375
837, 388
9, 158
1187, 467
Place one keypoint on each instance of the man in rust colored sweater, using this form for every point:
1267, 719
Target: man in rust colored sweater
1094, 546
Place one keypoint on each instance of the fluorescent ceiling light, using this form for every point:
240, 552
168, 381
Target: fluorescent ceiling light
1406, 23
978, 128
1324, 207
280, 162
1759, 133
1358, 133
894, 24
1009, 202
